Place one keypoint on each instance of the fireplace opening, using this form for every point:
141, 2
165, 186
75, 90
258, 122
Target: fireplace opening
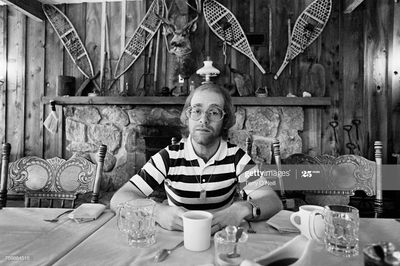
159, 137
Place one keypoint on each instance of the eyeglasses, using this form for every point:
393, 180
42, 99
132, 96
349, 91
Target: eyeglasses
214, 113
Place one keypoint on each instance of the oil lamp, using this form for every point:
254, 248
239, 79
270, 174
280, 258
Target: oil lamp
207, 71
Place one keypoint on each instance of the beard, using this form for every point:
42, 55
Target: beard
205, 138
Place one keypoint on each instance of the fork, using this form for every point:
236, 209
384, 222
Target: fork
251, 230
54, 220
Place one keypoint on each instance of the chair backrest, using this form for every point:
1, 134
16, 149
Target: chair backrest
5, 158
56, 179
341, 176
277, 158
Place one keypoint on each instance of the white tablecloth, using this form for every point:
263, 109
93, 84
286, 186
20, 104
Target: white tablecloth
107, 246
371, 231
25, 239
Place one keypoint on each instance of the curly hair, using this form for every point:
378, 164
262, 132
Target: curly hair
229, 118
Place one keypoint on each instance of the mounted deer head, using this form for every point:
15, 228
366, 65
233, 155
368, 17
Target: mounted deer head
180, 44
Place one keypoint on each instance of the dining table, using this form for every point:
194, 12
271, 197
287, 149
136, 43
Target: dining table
26, 239
107, 246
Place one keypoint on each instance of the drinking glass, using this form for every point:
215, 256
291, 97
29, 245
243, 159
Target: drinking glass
341, 230
388, 254
136, 220
226, 245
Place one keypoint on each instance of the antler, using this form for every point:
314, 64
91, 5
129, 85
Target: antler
165, 19
198, 11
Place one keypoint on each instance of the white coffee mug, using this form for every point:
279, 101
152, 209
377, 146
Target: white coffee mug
310, 222
197, 230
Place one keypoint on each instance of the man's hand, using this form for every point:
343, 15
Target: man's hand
170, 217
233, 215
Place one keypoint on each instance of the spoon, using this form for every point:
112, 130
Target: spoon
163, 254
54, 220
235, 254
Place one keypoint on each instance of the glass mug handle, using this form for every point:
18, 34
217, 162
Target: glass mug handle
121, 217
312, 224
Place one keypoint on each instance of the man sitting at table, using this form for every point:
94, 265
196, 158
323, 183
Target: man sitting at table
203, 171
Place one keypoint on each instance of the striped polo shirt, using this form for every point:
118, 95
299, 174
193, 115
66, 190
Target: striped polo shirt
185, 175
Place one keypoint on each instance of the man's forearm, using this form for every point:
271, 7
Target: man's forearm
125, 193
269, 204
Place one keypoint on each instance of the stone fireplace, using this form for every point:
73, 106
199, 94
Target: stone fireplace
133, 133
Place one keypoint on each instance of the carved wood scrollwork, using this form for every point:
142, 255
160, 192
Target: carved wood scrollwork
341, 175
359, 174
54, 177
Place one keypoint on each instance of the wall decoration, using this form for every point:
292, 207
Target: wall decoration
225, 25
308, 27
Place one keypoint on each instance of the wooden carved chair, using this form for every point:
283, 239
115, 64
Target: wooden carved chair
335, 179
5, 158
56, 179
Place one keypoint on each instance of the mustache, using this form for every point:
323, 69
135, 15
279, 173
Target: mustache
203, 128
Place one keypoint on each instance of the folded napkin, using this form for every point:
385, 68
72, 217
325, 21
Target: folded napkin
87, 212
281, 221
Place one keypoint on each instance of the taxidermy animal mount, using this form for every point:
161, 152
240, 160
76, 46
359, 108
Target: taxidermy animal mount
180, 44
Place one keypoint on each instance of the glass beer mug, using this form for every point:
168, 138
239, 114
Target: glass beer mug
136, 221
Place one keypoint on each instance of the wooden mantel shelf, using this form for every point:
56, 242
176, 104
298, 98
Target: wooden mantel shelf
268, 101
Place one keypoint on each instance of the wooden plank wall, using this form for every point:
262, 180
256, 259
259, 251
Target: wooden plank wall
394, 75
356, 50
3, 73
378, 25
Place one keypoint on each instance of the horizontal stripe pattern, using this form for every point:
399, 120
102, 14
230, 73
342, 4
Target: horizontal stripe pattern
177, 166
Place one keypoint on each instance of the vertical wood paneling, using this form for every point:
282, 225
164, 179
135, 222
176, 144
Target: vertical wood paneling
330, 60
199, 41
216, 46
135, 11
311, 135
114, 31
3, 71
241, 11
394, 73
273, 47
16, 83
34, 87
121, 45
312, 116
162, 80
53, 67
261, 26
352, 66
93, 37
376, 91
76, 13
